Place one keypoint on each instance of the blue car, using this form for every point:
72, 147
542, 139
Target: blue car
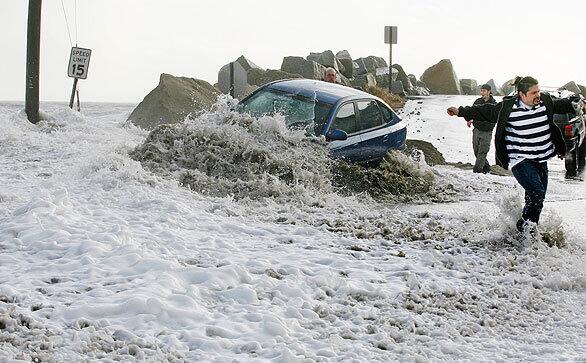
359, 127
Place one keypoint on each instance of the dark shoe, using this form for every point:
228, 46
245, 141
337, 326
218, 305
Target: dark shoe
526, 227
486, 169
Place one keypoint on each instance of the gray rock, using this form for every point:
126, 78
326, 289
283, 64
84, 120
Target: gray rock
508, 87
306, 68
420, 91
382, 76
496, 90
403, 78
343, 54
441, 78
343, 80
419, 87
469, 86
241, 85
327, 59
572, 87
246, 63
172, 101
239, 78
363, 81
398, 89
369, 64
582, 90
412, 79
259, 77
346, 60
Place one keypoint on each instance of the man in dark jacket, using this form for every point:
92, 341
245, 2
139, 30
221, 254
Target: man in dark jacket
526, 137
482, 132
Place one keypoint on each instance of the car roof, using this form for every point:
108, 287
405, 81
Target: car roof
323, 91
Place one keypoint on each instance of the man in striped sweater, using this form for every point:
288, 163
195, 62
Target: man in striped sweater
526, 137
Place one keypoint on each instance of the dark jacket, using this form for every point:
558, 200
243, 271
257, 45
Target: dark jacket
499, 114
480, 124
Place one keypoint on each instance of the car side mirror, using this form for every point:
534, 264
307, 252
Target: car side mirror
336, 134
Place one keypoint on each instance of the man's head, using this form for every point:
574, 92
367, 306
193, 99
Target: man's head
330, 75
485, 91
528, 90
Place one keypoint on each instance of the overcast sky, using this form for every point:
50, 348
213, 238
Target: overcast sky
134, 41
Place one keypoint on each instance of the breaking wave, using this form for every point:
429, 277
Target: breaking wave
227, 154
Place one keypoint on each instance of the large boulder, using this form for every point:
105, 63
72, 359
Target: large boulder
469, 86
412, 79
259, 77
398, 88
420, 91
403, 78
346, 60
240, 67
419, 87
441, 78
306, 68
582, 90
382, 76
572, 87
496, 90
369, 64
508, 87
364, 81
172, 101
327, 59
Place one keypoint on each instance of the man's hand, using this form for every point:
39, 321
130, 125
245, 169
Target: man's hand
453, 111
469, 123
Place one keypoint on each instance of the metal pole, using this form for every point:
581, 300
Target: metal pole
73, 93
390, 68
77, 95
33, 50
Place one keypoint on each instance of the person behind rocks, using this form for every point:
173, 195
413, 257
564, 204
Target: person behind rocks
482, 133
330, 75
525, 138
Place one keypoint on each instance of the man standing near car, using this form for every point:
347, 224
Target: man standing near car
526, 137
482, 133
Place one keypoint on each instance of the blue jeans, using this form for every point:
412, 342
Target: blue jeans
533, 178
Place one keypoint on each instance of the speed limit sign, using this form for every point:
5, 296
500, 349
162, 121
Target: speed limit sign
79, 62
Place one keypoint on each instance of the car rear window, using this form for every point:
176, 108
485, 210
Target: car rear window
369, 114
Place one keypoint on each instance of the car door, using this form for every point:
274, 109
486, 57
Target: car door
345, 119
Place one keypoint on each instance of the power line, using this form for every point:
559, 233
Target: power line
66, 23
76, 23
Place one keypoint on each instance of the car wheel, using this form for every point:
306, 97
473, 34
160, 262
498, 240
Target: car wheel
570, 159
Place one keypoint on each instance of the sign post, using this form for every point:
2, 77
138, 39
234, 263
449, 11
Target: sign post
390, 39
79, 62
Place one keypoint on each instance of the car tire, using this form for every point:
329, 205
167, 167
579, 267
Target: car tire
571, 159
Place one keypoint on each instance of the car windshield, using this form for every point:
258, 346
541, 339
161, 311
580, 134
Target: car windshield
300, 112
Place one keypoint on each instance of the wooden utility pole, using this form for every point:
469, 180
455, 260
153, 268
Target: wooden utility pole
33, 51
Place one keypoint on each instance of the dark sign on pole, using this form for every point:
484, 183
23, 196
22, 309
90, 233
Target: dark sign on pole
390, 34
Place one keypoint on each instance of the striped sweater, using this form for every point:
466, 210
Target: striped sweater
528, 134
